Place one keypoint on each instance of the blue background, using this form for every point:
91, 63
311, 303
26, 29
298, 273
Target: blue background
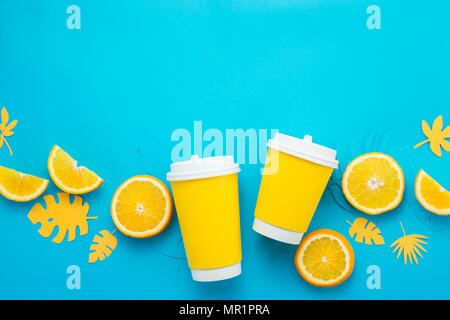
112, 93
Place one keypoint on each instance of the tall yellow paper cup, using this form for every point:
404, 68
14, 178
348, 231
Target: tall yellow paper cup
206, 198
294, 179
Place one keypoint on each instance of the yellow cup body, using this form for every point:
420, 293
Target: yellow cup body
289, 196
208, 212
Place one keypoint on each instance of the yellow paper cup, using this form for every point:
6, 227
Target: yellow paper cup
206, 198
290, 193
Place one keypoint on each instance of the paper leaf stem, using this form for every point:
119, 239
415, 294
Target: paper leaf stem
6, 128
409, 245
64, 215
102, 247
436, 136
367, 233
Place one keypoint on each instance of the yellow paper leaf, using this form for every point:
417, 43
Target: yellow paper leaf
102, 247
410, 246
5, 117
6, 128
11, 125
367, 233
436, 136
64, 215
426, 128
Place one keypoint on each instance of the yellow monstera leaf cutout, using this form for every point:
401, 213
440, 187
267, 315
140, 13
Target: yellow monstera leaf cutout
102, 247
65, 215
364, 233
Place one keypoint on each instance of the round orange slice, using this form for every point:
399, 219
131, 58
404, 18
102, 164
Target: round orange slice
325, 258
431, 195
18, 186
373, 183
70, 177
142, 207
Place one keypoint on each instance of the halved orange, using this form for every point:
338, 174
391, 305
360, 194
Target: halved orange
18, 186
70, 177
431, 195
142, 207
325, 258
373, 183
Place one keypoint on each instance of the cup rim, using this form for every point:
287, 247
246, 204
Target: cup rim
198, 168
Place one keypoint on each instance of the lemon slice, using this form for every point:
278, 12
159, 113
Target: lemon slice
373, 183
70, 177
141, 207
18, 186
325, 258
431, 195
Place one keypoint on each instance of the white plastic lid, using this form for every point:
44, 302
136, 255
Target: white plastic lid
276, 233
198, 168
206, 275
305, 149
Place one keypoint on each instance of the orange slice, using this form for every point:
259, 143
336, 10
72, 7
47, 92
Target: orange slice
431, 195
325, 258
70, 177
18, 186
142, 207
373, 183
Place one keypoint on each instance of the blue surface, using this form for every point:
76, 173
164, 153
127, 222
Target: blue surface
112, 93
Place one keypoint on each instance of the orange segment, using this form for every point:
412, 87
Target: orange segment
142, 207
373, 183
70, 177
18, 186
431, 195
324, 258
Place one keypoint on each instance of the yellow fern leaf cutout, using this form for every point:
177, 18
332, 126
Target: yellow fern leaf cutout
102, 247
6, 128
409, 245
64, 215
365, 233
436, 136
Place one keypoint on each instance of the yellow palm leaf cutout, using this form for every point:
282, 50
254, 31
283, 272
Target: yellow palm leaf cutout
6, 128
102, 247
436, 136
64, 215
367, 233
409, 245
